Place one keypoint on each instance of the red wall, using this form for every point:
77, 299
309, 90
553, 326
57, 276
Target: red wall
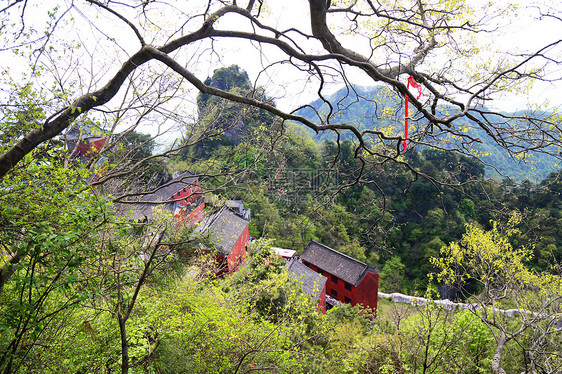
90, 147
193, 217
338, 286
322, 301
367, 290
190, 193
237, 256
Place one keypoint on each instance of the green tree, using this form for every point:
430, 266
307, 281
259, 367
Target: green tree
49, 221
444, 341
392, 275
506, 282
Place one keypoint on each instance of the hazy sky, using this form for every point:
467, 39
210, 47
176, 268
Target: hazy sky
290, 88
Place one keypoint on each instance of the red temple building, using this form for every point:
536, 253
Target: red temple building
228, 232
349, 281
85, 140
181, 196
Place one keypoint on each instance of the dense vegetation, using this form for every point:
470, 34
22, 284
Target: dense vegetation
86, 291
382, 214
101, 101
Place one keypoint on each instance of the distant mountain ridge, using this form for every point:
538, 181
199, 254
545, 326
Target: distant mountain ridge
358, 106
376, 107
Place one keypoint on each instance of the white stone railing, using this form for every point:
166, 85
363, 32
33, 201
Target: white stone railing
449, 305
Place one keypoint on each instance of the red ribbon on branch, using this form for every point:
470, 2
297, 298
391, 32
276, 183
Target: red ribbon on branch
411, 82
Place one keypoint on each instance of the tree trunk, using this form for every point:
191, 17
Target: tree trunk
8, 269
496, 360
124, 346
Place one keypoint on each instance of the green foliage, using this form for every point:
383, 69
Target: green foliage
223, 123
392, 275
437, 335
204, 329
16, 123
225, 79
130, 156
488, 256
418, 218
505, 280
49, 219
374, 108
264, 287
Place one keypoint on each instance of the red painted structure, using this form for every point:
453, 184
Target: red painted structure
181, 196
85, 140
191, 217
90, 147
237, 255
322, 301
189, 193
229, 233
85, 146
349, 281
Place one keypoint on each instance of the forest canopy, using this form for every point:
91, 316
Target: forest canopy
298, 109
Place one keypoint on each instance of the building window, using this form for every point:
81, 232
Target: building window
333, 292
348, 286
334, 279
347, 300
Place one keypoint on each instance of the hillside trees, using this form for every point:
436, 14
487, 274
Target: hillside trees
516, 303
80, 60
134, 150
228, 125
49, 221
141, 76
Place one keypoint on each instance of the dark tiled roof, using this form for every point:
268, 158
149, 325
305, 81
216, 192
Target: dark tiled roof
312, 282
169, 189
144, 210
234, 204
342, 266
224, 228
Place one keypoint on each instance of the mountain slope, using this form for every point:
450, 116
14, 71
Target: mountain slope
377, 108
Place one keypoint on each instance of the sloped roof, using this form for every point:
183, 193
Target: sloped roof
224, 228
144, 209
311, 282
85, 131
235, 204
342, 266
169, 189
238, 207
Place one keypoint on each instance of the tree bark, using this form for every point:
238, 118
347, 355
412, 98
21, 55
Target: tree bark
124, 345
8, 269
496, 360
